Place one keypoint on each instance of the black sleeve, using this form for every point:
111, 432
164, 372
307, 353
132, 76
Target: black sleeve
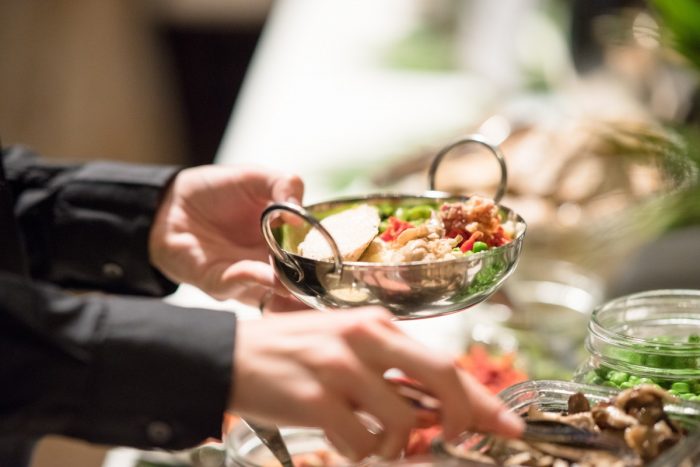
87, 226
126, 371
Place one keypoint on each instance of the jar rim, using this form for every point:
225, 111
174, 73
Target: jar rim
651, 334
627, 302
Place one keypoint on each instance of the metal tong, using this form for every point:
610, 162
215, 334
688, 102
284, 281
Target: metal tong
536, 431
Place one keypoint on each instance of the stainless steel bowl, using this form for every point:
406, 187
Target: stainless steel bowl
408, 290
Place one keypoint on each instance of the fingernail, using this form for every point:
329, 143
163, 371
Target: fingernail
510, 423
293, 200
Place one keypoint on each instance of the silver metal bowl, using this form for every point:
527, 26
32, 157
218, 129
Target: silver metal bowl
409, 290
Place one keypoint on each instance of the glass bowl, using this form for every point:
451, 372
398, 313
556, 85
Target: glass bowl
552, 396
244, 448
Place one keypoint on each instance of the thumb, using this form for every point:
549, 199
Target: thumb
243, 280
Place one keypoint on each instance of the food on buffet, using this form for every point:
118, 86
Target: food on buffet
421, 233
496, 372
352, 230
631, 429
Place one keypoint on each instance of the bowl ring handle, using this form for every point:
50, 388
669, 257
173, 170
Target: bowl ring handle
283, 256
478, 139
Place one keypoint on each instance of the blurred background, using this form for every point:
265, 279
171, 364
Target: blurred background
595, 104
149, 81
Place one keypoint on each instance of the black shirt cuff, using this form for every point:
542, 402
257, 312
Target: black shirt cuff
87, 226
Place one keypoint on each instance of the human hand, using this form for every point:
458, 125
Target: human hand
207, 231
319, 369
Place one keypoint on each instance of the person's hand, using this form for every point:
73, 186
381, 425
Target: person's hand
320, 369
207, 229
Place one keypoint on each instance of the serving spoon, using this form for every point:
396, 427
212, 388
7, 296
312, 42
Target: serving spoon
272, 439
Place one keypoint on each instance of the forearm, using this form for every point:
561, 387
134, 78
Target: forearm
113, 370
87, 226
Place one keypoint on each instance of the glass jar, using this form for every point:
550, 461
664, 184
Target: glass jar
649, 337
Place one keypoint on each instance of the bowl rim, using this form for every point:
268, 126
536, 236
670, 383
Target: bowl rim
434, 195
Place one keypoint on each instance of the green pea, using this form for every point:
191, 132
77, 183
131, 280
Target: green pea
592, 378
681, 387
618, 377
479, 246
400, 213
610, 384
687, 396
383, 225
673, 392
645, 381
695, 399
627, 385
634, 379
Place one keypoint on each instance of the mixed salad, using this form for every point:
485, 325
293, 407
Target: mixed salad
385, 233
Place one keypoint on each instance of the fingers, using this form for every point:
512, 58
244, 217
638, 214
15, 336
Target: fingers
287, 188
370, 394
344, 429
487, 412
343, 357
466, 404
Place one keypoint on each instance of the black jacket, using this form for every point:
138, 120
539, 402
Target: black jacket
106, 368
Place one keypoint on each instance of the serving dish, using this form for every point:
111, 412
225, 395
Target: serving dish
410, 290
552, 396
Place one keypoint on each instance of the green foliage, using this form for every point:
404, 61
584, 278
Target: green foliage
681, 22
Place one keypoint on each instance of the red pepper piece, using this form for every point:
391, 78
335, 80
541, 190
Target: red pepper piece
498, 239
394, 229
469, 243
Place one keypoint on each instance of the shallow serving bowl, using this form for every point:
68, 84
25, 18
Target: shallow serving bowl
408, 290
552, 396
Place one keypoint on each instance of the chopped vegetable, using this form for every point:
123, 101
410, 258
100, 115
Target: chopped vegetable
469, 243
494, 372
394, 227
